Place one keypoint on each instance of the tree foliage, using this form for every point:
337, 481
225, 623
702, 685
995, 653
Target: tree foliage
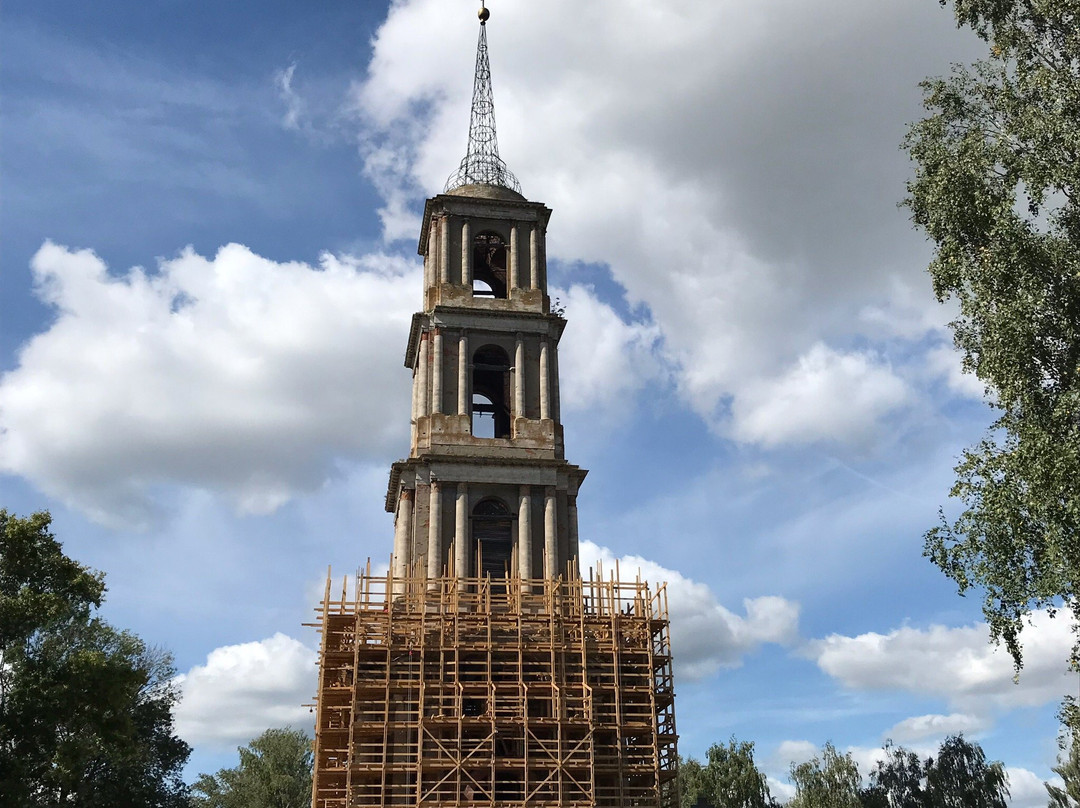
691, 782
896, 781
85, 710
959, 777
997, 190
1069, 771
829, 781
274, 772
728, 779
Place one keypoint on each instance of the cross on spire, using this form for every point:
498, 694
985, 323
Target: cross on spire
482, 164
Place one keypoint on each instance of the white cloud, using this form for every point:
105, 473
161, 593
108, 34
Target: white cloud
780, 790
1026, 789
792, 752
754, 221
909, 310
245, 689
825, 395
603, 360
236, 373
957, 664
944, 361
294, 104
241, 374
706, 636
867, 758
920, 727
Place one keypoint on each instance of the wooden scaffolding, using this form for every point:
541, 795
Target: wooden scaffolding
495, 692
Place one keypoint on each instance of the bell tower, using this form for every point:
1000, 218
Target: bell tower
484, 669
486, 489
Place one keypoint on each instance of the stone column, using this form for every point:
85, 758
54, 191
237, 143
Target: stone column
466, 254
432, 253
425, 395
417, 542
402, 539
571, 526
437, 372
525, 532
434, 554
519, 378
444, 249
461, 532
515, 259
463, 374
415, 402
541, 264
534, 257
551, 548
545, 380
555, 408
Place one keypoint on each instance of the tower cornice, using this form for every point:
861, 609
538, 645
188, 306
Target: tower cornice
473, 318
491, 207
544, 471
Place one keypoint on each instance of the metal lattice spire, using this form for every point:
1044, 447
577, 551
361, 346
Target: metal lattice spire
482, 164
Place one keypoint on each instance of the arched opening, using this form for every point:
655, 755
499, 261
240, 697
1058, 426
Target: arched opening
493, 538
483, 417
489, 265
491, 393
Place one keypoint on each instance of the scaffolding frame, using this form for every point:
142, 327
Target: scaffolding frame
473, 692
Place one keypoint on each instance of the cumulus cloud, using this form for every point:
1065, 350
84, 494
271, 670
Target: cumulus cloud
781, 790
920, 727
245, 689
943, 361
793, 753
705, 635
233, 373
825, 395
603, 360
752, 219
908, 309
790, 753
240, 374
957, 664
1026, 789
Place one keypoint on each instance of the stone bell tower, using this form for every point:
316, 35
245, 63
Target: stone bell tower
486, 489
484, 669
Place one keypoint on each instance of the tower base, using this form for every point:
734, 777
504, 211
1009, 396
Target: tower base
495, 692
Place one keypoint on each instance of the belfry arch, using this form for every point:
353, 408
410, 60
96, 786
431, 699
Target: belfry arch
491, 392
492, 538
489, 265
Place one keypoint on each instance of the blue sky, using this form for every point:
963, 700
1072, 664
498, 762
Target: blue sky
755, 371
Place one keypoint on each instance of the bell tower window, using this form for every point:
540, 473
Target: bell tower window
483, 417
492, 533
491, 393
489, 265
